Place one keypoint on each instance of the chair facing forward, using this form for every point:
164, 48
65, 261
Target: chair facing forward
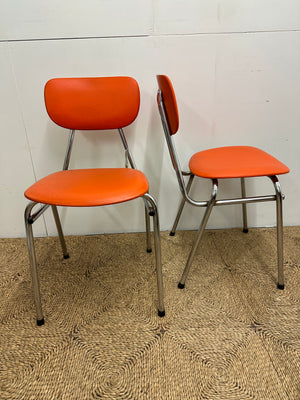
219, 163
91, 104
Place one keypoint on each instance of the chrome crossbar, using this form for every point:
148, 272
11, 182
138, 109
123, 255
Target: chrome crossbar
245, 200
38, 213
226, 202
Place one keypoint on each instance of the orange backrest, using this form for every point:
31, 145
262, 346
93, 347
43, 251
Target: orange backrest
92, 103
170, 103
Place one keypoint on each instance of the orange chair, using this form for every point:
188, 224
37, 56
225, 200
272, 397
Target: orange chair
219, 163
91, 104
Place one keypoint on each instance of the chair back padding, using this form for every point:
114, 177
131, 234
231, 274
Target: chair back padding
169, 101
92, 103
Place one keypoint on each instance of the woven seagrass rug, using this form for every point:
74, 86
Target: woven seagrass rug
230, 334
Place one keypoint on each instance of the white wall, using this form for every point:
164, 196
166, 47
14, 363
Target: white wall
235, 67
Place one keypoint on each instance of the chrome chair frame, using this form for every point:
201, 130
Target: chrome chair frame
31, 217
185, 188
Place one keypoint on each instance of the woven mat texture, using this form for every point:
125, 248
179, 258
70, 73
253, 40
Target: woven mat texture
230, 334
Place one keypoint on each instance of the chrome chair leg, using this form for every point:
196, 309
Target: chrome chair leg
279, 219
60, 232
198, 237
148, 233
244, 207
33, 266
188, 186
157, 245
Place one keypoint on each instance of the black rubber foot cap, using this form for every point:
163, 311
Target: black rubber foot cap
181, 285
245, 230
66, 256
151, 213
172, 233
40, 322
149, 250
161, 313
281, 287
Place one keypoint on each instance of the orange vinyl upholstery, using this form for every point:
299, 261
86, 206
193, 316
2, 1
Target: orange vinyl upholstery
92, 103
89, 187
235, 162
170, 102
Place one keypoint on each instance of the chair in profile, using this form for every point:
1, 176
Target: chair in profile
219, 163
99, 103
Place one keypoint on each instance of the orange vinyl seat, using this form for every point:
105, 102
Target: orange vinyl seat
219, 163
100, 103
235, 162
89, 187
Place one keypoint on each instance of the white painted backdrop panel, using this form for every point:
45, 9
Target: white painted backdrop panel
256, 98
232, 88
35, 19
231, 91
16, 171
217, 16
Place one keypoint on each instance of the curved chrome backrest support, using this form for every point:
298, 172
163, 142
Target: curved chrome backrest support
172, 151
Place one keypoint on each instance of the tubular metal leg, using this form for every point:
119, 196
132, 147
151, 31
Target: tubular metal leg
197, 239
33, 266
245, 223
189, 184
279, 218
154, 213
60, 232
148, 233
